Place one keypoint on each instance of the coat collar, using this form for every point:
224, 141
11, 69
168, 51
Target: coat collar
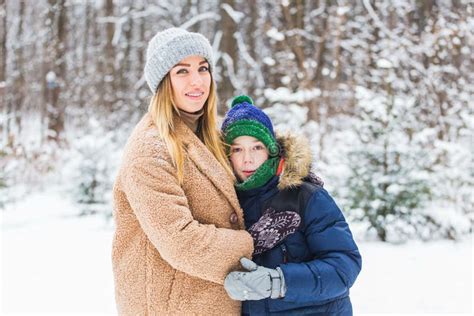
207, 163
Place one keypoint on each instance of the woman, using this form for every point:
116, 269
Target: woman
178, 221
305, 258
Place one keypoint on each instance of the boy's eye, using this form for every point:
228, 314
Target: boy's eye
259, 147
203, 69
182, 71
235, 150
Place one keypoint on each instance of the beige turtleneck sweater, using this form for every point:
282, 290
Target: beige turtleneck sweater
192, 119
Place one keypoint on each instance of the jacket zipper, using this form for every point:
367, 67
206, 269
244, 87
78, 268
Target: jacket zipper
285, 253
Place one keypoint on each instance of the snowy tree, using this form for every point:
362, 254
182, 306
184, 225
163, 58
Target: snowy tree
388, 185
90, 167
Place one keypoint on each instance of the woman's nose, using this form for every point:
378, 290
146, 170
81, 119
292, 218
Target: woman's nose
196, 79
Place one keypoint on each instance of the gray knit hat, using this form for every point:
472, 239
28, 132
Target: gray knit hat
169, 47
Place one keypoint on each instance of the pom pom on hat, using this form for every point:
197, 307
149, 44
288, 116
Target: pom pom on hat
241, 99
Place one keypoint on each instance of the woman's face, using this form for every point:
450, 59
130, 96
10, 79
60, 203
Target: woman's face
191, 82
247, 154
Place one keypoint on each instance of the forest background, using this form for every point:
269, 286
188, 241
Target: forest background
383, 90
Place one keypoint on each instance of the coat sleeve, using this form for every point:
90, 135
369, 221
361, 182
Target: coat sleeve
161, 207
337, 260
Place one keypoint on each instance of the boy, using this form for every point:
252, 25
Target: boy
305, 258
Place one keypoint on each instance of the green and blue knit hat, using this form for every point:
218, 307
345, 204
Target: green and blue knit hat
245, 119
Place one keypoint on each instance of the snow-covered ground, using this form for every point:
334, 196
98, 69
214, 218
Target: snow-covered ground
53, 262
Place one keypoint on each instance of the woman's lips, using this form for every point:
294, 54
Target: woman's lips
195, 95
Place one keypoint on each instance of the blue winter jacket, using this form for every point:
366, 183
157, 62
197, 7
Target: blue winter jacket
320, 260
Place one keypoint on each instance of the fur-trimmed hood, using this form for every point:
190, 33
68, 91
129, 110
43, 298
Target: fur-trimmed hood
298, 158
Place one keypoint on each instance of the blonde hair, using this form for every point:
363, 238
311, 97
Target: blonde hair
163, 112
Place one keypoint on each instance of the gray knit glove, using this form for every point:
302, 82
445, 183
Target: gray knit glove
259, 283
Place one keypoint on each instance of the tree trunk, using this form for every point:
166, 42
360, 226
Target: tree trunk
126, 69
3, 66
253, 8
18, 89
85, 55
109, 59
3, 48
56, 74
228, 46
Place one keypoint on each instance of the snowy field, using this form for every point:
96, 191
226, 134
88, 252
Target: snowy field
55, 263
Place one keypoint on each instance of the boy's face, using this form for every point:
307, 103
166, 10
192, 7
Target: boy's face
247, 154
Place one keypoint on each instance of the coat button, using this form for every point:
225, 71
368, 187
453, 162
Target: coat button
233, 218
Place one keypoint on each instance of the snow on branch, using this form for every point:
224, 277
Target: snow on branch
199, 18
234, 15
304, 34
215, 46
317, 12
230, 71
383, 28
246, 56
400, 40
118, 21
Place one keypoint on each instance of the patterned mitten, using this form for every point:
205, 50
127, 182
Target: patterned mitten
272, 228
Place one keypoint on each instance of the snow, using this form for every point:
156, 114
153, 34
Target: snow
269, 61
234, 15
54, 262
283, 94
384, 63
275, 34
50, 76
199, 18
417, 277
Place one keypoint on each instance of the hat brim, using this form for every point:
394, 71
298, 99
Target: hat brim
254, 129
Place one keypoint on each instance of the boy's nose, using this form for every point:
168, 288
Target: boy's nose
248, 157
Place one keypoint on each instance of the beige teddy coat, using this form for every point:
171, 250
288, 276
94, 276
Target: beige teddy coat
174, 244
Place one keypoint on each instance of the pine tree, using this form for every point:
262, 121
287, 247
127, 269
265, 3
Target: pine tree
387, 185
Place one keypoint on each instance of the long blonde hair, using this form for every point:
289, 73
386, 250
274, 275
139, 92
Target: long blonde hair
163, 111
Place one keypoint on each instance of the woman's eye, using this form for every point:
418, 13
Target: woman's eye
203, 69
182, 71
